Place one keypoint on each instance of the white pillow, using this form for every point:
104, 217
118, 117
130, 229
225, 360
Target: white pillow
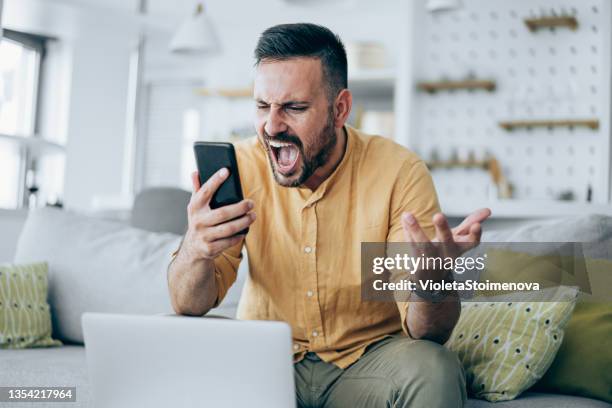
96, 266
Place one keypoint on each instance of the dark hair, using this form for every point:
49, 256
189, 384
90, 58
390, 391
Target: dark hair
285, 41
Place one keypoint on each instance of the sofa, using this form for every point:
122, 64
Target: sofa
84, 276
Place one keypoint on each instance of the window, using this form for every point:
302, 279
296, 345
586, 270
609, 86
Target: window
21, 62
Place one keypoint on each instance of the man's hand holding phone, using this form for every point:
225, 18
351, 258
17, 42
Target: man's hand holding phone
212, 231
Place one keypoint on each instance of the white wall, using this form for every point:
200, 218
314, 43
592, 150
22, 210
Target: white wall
85, 91
11, 223
353, 20
96, 126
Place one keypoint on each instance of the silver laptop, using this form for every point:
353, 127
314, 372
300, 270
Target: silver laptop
175, 361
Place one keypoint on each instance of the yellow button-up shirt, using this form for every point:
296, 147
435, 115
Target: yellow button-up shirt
304, 248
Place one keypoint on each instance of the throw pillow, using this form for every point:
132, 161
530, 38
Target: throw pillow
506, 346
25, 320
582, 365
96, 266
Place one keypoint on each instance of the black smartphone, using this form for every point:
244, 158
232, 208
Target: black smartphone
210, 158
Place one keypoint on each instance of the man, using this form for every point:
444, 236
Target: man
319, 188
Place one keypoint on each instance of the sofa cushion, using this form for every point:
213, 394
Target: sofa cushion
586, 228
64, 366
96, 266
67, 366
537, 400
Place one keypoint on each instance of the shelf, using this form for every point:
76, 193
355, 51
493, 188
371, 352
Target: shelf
474, 164
515, 124
524, 208
231, 93
467, 84
37, 145
551, 22
373, 83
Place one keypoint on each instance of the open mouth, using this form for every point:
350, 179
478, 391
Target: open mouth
286, 156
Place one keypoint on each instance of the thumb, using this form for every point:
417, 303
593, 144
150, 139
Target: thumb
406, 227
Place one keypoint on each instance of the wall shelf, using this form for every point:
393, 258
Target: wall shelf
570, 123
378, 83
467, 84
231, 93
35, 144
455, 164
551, 22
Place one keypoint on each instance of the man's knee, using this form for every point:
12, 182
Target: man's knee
424, 356
402, 373
432, 374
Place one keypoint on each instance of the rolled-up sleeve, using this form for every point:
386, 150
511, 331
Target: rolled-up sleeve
226, 270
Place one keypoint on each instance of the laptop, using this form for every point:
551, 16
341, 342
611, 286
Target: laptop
179, 361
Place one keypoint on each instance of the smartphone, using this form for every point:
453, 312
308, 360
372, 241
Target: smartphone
210, 158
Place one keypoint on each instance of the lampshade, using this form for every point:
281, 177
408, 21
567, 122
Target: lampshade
195, 35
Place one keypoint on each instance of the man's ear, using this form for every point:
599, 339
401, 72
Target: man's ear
342, 107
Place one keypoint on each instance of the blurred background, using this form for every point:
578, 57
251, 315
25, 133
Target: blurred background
507, 101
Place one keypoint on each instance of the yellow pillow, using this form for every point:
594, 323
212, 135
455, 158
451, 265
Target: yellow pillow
25, 319
582, 365
506, 346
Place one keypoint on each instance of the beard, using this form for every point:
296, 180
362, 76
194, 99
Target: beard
313, 156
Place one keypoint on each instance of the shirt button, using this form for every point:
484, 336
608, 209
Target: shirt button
296, 346
307, 249
315, 333
309, 293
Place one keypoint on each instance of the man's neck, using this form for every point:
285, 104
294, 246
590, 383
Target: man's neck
323, 172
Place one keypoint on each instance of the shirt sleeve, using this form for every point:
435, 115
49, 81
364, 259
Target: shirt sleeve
414, 192
226, 270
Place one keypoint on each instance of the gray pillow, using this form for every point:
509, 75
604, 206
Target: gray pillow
96, 266
580, 228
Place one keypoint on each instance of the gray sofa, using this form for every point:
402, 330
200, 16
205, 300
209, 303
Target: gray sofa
72, 244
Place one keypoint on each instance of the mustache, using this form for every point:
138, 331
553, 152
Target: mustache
284, 137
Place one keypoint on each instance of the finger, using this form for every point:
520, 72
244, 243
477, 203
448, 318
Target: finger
230, 228
443, 232
227, 213
204, 194
411, 225
477, 216
213, 249
420, 240
195, 181
472, 238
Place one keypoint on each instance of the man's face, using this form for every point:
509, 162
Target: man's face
294, 119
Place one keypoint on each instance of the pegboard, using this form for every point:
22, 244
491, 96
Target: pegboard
546, 74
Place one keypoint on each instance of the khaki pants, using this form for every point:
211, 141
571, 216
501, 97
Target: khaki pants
394, 372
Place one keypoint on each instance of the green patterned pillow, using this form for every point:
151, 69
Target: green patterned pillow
505, 347
25, 319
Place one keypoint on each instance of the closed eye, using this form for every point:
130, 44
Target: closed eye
297, 108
